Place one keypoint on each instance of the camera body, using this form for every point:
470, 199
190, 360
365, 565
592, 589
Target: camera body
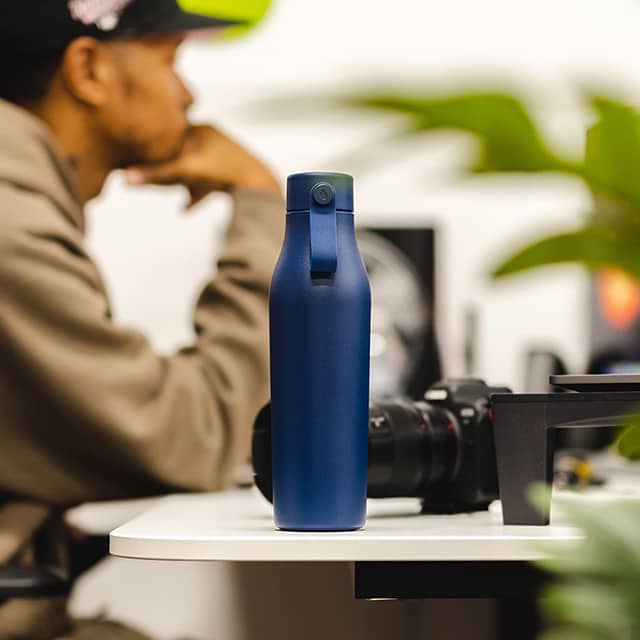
469, 480
440, 449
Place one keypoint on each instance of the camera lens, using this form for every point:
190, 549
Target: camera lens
412, 446
261, 452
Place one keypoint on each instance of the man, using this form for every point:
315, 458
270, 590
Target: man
87, 410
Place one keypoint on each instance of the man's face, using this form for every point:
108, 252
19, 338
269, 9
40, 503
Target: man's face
145, 117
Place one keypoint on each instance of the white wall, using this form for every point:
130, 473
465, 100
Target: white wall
155, 260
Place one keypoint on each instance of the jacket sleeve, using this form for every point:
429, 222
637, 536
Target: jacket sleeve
91, 410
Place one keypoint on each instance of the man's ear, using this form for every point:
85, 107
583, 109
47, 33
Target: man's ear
88, 71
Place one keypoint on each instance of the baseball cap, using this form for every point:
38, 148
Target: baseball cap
30, 26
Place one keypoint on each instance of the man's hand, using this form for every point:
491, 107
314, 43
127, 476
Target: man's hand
209, 161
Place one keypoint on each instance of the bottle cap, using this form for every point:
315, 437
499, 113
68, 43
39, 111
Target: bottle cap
320, 188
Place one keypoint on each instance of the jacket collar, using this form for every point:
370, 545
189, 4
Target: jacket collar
31, 160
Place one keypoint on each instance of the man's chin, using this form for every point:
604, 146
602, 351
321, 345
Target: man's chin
150, 159
156, 154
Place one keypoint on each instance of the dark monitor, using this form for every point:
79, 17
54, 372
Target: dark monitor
400, 262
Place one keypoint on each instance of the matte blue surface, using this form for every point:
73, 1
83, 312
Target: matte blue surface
319, 338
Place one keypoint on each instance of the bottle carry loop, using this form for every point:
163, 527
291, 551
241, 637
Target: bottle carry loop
323, 238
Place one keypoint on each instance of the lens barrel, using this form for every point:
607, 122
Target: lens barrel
412, 446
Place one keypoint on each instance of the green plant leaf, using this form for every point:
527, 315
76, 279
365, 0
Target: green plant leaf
249, 12
611, 168
245, 10
611, 546
571, 633
598, 597
592, 606
612, 159
629, 441
593, 246
509, 139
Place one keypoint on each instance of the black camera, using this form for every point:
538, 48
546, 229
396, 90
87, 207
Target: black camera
440, 449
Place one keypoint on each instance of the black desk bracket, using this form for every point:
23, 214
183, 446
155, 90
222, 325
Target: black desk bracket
524, 430
447, 579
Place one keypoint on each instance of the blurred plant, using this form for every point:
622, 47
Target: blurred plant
249, 12
511, 142
629, 442
597, 596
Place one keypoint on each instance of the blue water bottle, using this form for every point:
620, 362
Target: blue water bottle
320, 319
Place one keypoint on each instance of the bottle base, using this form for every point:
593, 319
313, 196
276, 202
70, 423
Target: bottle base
306, 528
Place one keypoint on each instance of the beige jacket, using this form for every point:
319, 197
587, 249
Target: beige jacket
88, 411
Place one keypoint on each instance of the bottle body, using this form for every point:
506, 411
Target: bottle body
319, 345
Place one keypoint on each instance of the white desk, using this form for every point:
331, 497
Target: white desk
399, 555
237, 526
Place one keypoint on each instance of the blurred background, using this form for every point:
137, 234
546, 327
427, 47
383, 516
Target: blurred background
545, 51
261, 88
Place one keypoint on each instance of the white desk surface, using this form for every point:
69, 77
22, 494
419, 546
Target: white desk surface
237, 526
